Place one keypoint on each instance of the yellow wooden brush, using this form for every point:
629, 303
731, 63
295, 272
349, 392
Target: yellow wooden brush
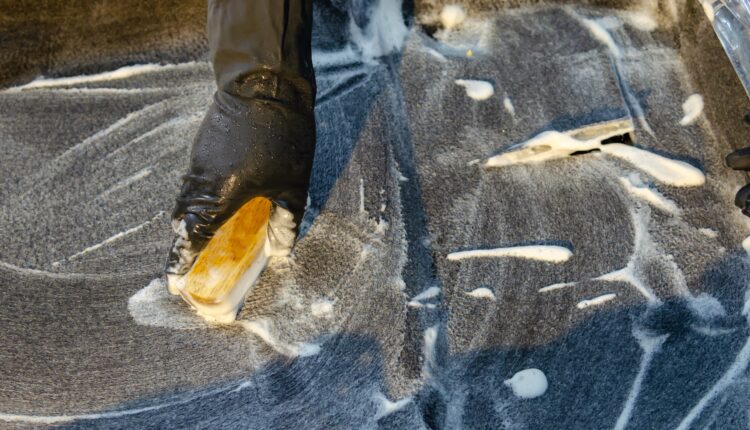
230, 264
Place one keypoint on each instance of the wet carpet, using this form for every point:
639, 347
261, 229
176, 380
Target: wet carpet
370, 324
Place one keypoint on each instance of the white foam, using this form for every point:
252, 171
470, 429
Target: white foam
385, 32
113, 238
597, 30
322, 308
508, 105
430, 338
452, 16
557, 286
421, 305
596, 301
692, 107
735, 371
121, 73
528, 383
428, 293
546, 146
671, 172
551, 253
650, 346
627, 274
304, 349
639, 189
436, 54
263, 329
746, 244
602, 35
387, 407
482, 293
477, 90
154, 306
61, 419
641, 20
713, 234
137, 176
552, 145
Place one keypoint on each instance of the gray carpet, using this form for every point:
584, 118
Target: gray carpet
369, 324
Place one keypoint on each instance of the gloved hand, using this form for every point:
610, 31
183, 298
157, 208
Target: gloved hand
740, 160
258, 136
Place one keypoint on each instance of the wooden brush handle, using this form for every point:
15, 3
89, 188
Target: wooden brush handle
229, 253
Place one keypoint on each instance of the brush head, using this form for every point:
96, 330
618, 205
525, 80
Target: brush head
231, 263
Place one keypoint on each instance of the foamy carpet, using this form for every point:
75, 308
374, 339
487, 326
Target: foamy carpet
428, 291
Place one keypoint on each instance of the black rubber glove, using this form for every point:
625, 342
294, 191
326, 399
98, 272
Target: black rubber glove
740, 160
258, 136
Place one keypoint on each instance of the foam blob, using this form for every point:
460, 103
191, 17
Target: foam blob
482, 293
528, 383
452, 16
693, 107
552, 145
477, 90
322, 308
553, 254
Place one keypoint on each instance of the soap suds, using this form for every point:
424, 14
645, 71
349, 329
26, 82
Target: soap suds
713, 234
746, 244
557, 286
528, 383
429, 293
477, 90
693, 108
583, 304
601, 34
322, 308
639, 189
262, 328
508, 105
385, 32
669, 171
436, 54
551, 253
627, 275
598, 31
733, 373
650, 345
430, 337
113, 238
452, 16
141, 174
552, 145
387, 407
61, 419
640, 20
482, 293
154, 306
121, 73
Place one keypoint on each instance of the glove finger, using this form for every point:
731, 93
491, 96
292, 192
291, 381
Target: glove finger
742, 199
197, 215
739, 159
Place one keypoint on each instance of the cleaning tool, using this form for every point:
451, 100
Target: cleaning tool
230, 264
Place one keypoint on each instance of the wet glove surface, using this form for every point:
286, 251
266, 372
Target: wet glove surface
258, 136
740, 160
